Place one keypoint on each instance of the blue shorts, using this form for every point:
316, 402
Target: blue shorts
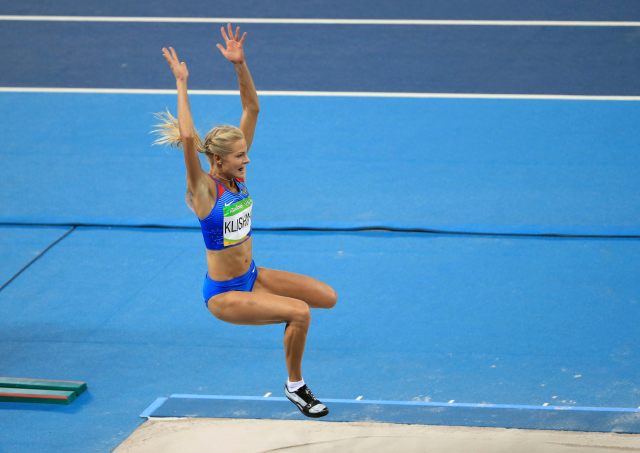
243, 283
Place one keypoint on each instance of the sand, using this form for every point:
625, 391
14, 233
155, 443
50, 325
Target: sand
195, 435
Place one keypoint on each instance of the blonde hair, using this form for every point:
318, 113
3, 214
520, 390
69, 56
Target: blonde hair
217, 142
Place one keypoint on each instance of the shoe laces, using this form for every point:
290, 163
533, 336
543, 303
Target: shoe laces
310, 394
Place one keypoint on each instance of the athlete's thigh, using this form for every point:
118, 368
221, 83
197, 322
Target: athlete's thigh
314, 292
241, 307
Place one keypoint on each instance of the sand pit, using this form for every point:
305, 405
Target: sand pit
184, 435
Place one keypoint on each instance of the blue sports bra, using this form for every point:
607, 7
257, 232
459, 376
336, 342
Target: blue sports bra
229, 222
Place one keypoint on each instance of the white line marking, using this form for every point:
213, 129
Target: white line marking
452, 401
357, 94
295, 21
267, 395
415, 403
153, 406
359, 397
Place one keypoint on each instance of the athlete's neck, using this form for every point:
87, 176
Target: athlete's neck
229, 181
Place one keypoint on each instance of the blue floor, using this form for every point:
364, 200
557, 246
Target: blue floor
21, 245
533, 321
102, 265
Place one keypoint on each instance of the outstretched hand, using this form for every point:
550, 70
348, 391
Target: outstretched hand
233, 51
178, 68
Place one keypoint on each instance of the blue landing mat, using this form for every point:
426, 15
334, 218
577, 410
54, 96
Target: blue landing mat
503, 416
501, 166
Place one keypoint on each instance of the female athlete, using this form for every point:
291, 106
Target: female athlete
235, 290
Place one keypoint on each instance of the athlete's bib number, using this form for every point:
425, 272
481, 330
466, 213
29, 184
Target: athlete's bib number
237, 221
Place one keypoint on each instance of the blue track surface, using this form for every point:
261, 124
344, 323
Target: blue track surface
619, 10
20, 246
519, 315
518, 321
544, 60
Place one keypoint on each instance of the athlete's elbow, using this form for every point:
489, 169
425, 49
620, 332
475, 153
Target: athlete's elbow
252, 108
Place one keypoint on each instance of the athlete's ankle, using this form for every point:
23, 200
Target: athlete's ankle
295, 385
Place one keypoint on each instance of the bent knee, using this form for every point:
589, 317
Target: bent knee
300, 314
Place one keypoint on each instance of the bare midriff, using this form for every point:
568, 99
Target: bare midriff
231, 262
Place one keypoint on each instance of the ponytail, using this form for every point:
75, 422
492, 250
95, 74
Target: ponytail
217, 142
168, 132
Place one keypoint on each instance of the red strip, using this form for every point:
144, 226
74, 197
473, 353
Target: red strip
31, 395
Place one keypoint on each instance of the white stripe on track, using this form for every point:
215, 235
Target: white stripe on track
358, 94
251, 20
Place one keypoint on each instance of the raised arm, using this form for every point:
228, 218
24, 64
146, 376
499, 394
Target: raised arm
233, 51
196, 177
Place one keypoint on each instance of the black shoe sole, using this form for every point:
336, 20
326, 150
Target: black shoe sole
309, 414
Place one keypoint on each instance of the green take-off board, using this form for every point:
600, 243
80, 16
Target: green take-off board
44, 384
40, 390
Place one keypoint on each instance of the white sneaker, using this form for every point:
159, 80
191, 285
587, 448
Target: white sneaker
306, 402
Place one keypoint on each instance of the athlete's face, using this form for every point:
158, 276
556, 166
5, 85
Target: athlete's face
235, 164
